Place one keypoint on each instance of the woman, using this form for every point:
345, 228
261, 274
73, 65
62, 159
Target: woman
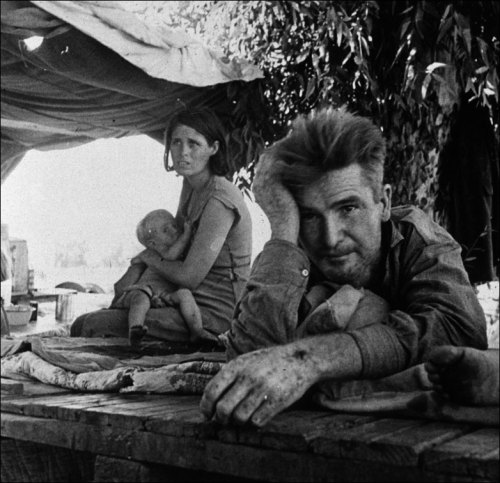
217, 263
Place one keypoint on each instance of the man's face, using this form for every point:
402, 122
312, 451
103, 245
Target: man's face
341, 225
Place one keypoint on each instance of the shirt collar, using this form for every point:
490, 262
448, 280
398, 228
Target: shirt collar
392, 233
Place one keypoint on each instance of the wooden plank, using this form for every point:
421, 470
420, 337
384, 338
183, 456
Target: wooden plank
48, 400
188, 422
167, 415
54, 407
130, 415
371, 441
35, 389
474, 453
403, 448
292, 430
11, 387
85, 408
128, 410
202, 455
27, 461
116, 469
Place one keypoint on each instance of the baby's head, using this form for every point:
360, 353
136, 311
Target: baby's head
157, 230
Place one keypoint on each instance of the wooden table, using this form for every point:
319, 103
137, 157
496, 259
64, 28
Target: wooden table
112, 437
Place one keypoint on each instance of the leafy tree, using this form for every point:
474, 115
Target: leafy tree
412, 66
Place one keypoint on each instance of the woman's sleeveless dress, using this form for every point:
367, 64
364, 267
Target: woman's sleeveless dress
219, 291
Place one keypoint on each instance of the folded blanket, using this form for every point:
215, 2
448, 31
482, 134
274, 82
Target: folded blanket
80, 365
74, 364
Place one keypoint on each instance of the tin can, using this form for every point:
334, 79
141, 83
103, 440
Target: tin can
65, 307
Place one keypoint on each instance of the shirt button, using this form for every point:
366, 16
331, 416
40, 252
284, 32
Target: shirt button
305, 272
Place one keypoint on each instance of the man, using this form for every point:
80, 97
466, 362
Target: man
330, 214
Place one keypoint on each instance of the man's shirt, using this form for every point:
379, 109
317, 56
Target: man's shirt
423, 279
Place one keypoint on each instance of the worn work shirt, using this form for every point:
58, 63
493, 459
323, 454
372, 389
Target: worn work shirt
424, 281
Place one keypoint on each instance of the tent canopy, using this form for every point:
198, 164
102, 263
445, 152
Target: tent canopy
73, 72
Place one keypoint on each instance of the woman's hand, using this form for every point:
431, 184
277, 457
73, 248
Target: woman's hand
256, 386
275, 200
140, 258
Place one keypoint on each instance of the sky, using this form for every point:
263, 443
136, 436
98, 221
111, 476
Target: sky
95, 193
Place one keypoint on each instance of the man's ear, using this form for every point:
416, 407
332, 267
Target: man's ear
386, 202
215, 147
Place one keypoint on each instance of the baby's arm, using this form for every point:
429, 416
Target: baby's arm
179, 246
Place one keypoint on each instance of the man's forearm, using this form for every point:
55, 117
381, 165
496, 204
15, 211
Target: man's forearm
267, 313
328, 356
275, 200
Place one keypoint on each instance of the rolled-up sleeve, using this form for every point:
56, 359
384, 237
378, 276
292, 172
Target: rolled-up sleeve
266, 314
434, 305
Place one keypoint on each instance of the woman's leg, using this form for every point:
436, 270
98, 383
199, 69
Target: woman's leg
166, 323
101, 323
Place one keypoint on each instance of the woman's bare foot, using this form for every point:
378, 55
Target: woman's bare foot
465, 375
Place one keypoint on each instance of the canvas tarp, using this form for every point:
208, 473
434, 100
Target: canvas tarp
99, 72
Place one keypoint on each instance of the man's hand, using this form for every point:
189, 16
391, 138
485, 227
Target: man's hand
275, 200
256, 386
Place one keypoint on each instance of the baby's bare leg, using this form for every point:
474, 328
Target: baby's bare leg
191, 314
139, 305
467, 376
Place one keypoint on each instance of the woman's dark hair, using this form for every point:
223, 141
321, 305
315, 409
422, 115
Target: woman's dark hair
206, 122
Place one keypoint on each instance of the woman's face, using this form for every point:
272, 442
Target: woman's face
190, 151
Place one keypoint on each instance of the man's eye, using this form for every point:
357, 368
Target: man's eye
176, 142
348, 209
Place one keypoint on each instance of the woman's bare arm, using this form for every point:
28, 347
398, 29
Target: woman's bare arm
177, 249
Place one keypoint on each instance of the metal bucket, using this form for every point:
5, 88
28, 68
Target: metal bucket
65, 307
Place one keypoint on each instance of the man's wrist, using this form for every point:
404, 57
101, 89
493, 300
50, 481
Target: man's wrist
285, 230
285, 236
316, 352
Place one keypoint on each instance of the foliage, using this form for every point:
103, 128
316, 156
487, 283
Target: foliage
407, 64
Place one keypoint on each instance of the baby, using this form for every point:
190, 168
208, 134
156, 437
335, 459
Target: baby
158, 231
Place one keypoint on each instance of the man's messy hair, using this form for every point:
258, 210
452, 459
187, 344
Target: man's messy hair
144, 231
329, 139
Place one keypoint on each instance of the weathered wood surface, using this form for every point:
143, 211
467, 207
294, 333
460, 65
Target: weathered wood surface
299, 445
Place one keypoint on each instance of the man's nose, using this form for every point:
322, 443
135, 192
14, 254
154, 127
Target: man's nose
333, 231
